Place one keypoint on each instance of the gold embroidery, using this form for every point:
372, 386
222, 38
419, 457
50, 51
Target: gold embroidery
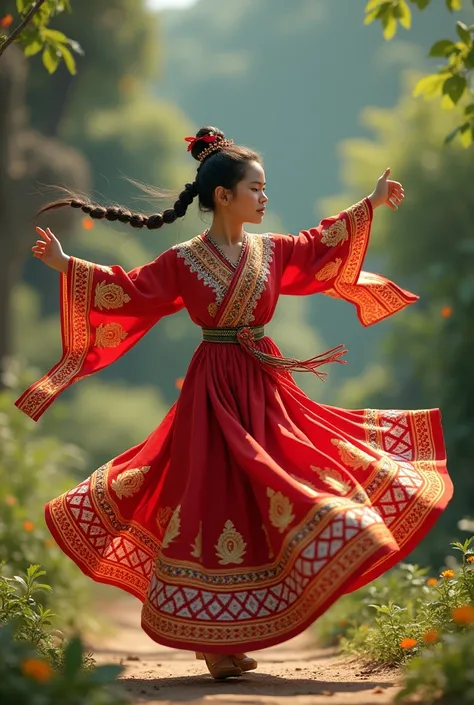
352, 456
280, 511
329, 271
103, 268
212, 310
128, 482
271, 553
109, 335
309, 485
76, 340
163, 516
231, 546
197, 545
335, 234
334, 479
173, 528
110, 296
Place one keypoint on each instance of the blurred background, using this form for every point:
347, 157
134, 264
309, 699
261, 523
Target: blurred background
329, 103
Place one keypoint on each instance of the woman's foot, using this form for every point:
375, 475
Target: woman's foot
220, 666
246, 663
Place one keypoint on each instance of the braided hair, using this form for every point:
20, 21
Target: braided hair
224, 166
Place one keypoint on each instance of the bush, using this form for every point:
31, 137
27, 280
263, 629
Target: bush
395, 618
36, 666
34, 468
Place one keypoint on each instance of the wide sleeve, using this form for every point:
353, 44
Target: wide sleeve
104, 312
328, 260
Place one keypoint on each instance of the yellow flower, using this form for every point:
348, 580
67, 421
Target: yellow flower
28, 526
431, 636
408, 643
38, 670
432, 582
464, 615
448, 574
470, 559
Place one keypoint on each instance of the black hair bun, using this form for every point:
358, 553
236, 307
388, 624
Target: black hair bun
201, 145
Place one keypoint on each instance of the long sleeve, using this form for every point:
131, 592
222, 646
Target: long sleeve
328, 260
105, 311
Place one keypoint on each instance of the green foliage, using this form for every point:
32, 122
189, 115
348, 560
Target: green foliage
403, 613
37, 36
451, 83
31, 464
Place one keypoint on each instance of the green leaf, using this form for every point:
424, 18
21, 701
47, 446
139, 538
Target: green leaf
455, 87
444, 47
20, 6
375, 4
50, 59
53, 36
463, 32
68, 59
469, 59
73, 658
389, 24
403, 14
33, 48
430, 86
421, 4
467, 137
454, 5
469, 109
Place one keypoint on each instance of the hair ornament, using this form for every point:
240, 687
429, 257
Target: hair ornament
205, 138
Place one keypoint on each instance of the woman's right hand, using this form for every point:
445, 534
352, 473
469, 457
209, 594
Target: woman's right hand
49, 251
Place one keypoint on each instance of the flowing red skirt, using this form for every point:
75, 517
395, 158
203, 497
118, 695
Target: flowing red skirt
252, 508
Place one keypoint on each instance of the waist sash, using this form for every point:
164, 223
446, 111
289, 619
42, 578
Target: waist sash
247, 336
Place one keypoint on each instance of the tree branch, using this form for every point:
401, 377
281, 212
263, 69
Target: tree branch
26, 20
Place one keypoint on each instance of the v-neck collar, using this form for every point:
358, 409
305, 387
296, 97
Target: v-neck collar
233, 266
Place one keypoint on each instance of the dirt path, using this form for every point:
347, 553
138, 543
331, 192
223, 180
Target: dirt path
295, 670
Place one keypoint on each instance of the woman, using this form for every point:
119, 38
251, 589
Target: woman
251, 508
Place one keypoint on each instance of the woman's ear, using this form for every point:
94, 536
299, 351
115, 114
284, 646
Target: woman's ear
222, 196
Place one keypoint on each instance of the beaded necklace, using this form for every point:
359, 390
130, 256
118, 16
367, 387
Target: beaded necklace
242, 249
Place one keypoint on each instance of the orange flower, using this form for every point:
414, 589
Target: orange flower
448, 574
10, 500
470, 559
431, 636
432, 582
464, 615
408, 643
87, 223
28, 525
38, 670
179, 383
446, 311
6, 21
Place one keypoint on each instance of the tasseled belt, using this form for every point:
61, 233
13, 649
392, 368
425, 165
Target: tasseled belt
248, 335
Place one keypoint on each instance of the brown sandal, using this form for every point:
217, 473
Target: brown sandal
220, 668
242, 661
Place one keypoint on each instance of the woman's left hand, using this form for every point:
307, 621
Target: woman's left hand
387, 192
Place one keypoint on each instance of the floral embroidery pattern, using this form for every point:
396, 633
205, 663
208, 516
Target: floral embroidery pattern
173, 528
352, 456
335, 234
163, 516
333, 479
280, 511
230, 547
110, 296
109, 335
329, 271
128, 482
197, 545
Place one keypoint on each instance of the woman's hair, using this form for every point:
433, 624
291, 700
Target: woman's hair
221, 164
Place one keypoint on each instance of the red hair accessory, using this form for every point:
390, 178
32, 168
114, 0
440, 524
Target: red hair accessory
205, 138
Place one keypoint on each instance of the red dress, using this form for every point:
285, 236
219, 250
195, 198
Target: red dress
251, 508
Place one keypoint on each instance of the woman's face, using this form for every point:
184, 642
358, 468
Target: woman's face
246, 203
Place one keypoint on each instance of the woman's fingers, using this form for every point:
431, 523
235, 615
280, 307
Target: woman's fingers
45, 234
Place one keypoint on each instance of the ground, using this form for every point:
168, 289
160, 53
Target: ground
296, 670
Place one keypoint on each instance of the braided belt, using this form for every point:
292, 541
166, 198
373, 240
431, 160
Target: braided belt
231, 335
248, 335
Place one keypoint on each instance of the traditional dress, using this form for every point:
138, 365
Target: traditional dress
251, 508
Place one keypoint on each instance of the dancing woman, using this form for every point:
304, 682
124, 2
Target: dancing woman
251, 508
